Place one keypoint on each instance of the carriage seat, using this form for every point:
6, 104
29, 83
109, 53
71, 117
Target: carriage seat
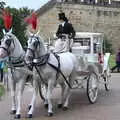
77, 48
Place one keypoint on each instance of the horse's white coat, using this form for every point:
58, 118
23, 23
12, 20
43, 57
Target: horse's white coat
17, 79
68, 65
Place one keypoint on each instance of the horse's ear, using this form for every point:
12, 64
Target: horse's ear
10, 31
37, 33
4, 32
55, 37
29, 33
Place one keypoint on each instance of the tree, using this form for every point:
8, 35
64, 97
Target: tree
2, 4
107, 45
19, 26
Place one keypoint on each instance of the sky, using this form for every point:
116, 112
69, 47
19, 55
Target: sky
32, 4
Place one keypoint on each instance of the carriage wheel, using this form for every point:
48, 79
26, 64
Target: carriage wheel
42, 91
107, 86
92, 88
107, 80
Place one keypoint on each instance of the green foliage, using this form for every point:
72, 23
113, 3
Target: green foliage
1, 27
107, 45
112, 62
2, 4
2, 90
18, 26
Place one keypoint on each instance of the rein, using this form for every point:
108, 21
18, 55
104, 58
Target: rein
61, 74
32, 51
5, 50
40, 75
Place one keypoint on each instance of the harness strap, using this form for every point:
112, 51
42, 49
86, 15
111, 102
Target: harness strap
5, 49
61, 74
40, 75
17, 63
58, 68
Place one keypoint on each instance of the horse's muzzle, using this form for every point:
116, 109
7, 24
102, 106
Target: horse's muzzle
3, 53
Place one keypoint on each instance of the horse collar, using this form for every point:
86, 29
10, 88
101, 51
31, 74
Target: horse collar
41, 60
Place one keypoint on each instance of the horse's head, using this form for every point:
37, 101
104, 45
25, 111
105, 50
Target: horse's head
10, 45
7, 44
34, 48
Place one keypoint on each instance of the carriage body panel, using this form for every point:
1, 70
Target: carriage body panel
88, 48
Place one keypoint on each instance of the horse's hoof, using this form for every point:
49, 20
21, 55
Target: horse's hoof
46, 106
13, 112
29, 107
29, 116
60, 105
65, 108
18, 116
50, 114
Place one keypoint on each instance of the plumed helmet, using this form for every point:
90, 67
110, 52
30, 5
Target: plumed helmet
62, 16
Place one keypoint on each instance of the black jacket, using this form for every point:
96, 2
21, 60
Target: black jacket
66, 29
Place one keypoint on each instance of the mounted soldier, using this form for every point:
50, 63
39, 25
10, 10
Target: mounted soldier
65, 34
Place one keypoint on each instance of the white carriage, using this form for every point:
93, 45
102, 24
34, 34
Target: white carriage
87, 51
94, 68
94, 63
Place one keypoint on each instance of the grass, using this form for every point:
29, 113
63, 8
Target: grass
112, 61
2, 90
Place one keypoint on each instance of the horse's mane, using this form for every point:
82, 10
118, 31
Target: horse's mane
41, 39
42, 48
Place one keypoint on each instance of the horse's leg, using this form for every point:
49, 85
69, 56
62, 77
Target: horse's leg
67, 96
45, 95
19, 97
13, 92
49, 97
72, 77
60, 103
31, 106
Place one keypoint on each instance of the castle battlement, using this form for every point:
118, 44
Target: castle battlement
107, 3
85, 17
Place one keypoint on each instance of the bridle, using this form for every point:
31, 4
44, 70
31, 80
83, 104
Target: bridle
8, 45
8, 52
30, 49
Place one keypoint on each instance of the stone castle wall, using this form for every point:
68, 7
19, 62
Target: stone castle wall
85, 18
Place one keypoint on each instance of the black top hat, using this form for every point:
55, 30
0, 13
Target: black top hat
62, 16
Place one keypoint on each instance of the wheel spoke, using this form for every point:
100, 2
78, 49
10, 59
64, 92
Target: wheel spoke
92, 88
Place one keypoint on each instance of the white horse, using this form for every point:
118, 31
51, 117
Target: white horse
45, 66
10, 47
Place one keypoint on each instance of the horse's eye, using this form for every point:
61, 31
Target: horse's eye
8, 42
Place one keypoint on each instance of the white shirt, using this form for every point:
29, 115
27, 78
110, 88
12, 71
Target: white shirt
63, 23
